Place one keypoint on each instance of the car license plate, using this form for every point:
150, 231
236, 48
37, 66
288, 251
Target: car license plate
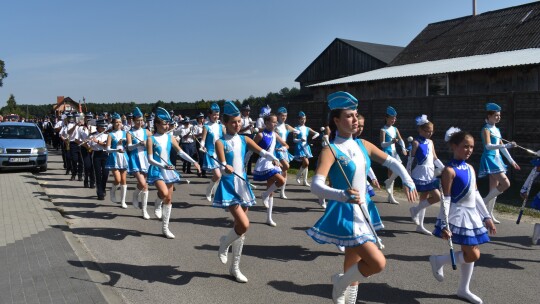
19, 160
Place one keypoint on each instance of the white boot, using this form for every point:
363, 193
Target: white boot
490, 206
438, 261
389, 184
464, 280
299, 175
282, 191
166, 217
266, 194
112, 193
269, 220
209, 191
224, 243
144, 204
306, 173
157, 208
322, 202
234, 270
342, 281
135, 198
123, 195
351, 294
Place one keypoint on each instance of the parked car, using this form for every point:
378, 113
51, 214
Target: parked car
22, 146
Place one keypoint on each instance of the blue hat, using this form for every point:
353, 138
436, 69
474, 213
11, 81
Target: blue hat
282, 110
301, 114
186, 120
493, 107
163, 114
391, 111
214, 107
230, 109
342, 100
246, 107
115, 116
102, 123
201, 115
265, 111
137, 112
89, 115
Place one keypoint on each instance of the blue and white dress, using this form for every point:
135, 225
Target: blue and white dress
465, 220
214, 131
389, 134
344, 224
162, 144
264, 169
423, 173
302, 147
491, 161
117, 160
374, 215
231, 190
281, 129
138, 157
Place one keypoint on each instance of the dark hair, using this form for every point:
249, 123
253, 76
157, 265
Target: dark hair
226, 118
459, 137
426, 125
267, 117
489, 113
361, 117
332, 124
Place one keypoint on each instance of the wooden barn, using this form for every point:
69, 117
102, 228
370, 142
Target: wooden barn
347, 57
450, 70
65, 105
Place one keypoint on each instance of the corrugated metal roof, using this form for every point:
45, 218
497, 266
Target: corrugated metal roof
453, 65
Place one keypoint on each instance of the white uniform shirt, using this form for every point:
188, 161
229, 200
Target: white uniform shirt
246, 121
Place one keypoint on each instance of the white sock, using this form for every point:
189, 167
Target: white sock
210, 188
423, 204
123, 192
392, 177
351, 275
270, 205
464, 280
270, 189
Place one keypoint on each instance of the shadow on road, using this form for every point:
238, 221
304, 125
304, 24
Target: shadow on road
277, 253
153, 273
222, 222
114, 234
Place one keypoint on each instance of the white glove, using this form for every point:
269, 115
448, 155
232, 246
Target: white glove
319, 188
315, 135
203, 149
268, 156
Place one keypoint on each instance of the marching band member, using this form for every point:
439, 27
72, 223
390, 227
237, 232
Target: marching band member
302, 152
467, 214
136, 138
491, 163
389, 137
117, 161
282, 152
424, 174
234, 193
98, 143
197, 133
162, 173
212, 131
343, 222
187, 143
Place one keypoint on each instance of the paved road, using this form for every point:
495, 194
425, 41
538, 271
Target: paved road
283, 264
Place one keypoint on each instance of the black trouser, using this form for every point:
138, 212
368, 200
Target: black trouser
76, 159
88, 170
190, 150
66, 157
99, 159
173, 156
56, 140
200, 157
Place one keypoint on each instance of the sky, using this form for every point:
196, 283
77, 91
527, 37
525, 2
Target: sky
183, 51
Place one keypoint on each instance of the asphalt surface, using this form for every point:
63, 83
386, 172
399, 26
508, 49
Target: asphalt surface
282, 263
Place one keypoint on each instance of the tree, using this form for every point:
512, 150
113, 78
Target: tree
11, 107
3, 73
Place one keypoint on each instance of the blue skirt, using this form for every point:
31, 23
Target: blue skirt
302, 152
284, 155
374, 215
491, 164
342, 224
536, 202
265, 175
208, 163
227, 193
421, 186
465, 224
168, 176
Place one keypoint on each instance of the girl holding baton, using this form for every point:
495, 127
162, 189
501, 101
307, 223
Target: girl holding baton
302, 152
117, 160
138, 160
467, 214
212, 131
161, 172
345, 222
234, 192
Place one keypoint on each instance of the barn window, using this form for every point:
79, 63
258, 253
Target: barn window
437, 85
